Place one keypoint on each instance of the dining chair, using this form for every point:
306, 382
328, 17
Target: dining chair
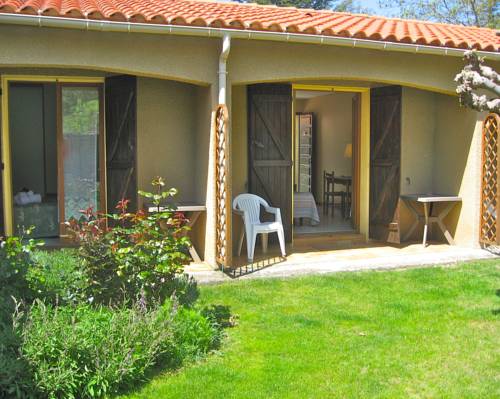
329, 193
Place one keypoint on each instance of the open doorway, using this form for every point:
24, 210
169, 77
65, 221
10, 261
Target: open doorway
56, 159
325, 143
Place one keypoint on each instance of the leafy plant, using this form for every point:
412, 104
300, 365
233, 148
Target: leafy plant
135, 252
90, 352
15, 260
57, 276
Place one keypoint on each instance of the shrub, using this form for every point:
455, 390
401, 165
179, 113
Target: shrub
90, 352
57, 276
140, 252
15, 259
194, 333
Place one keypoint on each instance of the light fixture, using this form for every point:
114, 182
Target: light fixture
348, 151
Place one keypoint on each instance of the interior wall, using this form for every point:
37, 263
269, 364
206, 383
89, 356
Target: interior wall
33, 140
166, 133
26, 137
333, 120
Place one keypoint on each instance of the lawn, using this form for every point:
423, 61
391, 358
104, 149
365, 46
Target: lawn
422, 333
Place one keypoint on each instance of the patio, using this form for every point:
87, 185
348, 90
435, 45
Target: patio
321, 255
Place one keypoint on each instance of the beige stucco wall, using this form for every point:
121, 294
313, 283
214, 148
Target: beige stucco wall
333, 118
457, 165
187, 59
418, 125
173, 137
166, 135
441, 153
260, 61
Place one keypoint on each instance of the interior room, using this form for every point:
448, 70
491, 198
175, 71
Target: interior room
33, 140
54, 174
323, 167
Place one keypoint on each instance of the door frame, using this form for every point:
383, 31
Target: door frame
5, 80
361, 169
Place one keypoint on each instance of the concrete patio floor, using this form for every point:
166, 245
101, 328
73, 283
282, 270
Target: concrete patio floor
320, 256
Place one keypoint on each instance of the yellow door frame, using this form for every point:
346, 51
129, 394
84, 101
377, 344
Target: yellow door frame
364, 162
8, 210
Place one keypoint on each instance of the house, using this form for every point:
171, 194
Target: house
225, 98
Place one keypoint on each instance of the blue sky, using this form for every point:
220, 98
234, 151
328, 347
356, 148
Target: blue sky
374, 6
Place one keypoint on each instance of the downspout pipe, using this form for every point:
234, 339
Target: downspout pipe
226, 48
133, 27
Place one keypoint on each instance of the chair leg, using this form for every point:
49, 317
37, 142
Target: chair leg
240, 240
281, 239
251, 238
264, 238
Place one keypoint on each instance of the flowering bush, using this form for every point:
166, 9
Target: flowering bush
128, 253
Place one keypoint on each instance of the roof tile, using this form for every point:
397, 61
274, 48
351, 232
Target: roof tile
271, 18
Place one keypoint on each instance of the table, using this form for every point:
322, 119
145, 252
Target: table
304, 206
195, 210
428, 201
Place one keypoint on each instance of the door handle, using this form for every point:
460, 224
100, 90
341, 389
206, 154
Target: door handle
258, 144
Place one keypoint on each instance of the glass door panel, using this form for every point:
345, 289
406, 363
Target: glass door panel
80, 141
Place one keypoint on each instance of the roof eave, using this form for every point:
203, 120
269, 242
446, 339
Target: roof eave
131, 27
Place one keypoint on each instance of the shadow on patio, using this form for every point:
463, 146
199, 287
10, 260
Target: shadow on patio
328, 254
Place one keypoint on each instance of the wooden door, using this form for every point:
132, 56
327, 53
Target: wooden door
270, 147
385, 158
121, 140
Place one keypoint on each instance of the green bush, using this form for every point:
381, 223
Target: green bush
15, 260
57, 276
194, 333
90, 352
139, 253
16, 380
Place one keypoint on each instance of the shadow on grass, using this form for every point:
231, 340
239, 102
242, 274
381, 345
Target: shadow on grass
497, 310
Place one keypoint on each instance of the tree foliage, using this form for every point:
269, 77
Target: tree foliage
336, 5
477, 76
483, 13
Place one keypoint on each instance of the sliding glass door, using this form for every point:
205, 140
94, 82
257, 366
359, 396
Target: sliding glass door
81, 169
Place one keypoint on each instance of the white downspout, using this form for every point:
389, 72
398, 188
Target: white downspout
226, 47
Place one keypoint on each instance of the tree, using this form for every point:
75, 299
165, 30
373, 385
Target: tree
461, 12
336, 5
477, 76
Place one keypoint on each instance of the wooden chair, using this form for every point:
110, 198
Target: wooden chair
329, 193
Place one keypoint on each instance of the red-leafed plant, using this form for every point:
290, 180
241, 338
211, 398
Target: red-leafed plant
127, 253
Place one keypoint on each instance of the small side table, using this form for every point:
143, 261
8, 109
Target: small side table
428, 201
195, 211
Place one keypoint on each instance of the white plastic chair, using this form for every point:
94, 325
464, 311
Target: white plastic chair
248, 206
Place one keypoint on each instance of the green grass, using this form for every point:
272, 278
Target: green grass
421, 333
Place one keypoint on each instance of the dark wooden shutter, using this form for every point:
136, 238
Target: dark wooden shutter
385, 158
270, 147
121, 140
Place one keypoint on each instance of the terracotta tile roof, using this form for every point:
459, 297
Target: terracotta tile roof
263, 18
